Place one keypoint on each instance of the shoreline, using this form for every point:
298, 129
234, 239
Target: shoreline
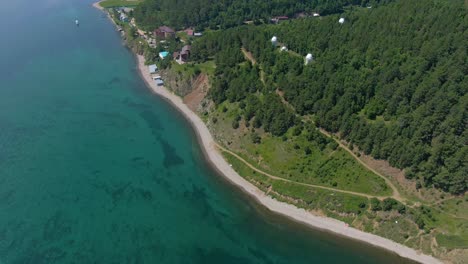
215, 158
98, 6
292, 212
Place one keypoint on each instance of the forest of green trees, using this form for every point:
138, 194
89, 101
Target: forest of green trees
229, 13
391, 80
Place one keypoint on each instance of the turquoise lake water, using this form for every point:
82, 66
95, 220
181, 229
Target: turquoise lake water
96, 169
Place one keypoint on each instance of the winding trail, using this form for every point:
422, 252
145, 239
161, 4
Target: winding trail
298, 214
396, 194
298, 183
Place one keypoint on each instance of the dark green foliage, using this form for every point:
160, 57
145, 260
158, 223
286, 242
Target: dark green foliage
400, 208
420, 222
375, 204
399, 95
297, 130
388, 204
333, 145
256, 139
307, 150
235, 124
257, 122
423, 217
229, 13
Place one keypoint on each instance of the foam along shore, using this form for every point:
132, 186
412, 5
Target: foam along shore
297, 214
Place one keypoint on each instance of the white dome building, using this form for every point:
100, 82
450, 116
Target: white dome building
274, 41
308, 59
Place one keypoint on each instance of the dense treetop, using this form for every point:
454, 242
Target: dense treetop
392, 80
229, 13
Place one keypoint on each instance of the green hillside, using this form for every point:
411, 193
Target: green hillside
391, 80
229, 13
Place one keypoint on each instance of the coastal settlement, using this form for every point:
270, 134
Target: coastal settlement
164, 47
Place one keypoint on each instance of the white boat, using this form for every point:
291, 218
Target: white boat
77, 22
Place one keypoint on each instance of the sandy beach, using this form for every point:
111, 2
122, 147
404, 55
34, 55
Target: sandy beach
98, 6
297, 214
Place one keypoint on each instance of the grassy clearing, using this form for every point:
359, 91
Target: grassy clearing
452, 242
456, 206
191, 70
297, 158
117, 3
444, 223
396, 227
355, 211
345, 207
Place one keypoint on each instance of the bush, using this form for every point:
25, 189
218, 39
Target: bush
256, 139
418, 185
375, 204
235, 124
401, 208
242, 105
420, 222
307, 150
297, 130
389, 204
257, 123
333, 145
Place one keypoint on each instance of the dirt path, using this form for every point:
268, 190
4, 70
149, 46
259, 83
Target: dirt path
249, 56
299, 183
396, 194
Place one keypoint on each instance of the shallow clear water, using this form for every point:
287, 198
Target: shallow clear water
96, 169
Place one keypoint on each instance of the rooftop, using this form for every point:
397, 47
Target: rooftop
186, 49
153, 68
166, 29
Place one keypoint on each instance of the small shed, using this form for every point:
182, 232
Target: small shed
153, 68
159, 82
